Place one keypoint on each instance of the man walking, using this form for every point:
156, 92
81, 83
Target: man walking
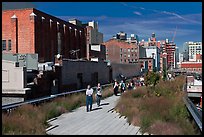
89, 98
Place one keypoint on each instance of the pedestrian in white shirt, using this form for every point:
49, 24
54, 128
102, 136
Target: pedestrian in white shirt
89, 98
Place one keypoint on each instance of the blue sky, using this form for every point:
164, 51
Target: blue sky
141, 18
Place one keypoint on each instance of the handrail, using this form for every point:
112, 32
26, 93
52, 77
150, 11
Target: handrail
197, 115
14, 105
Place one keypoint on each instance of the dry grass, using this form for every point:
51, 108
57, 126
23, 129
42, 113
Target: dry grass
29, 119
165, 114
25, 120
164, 128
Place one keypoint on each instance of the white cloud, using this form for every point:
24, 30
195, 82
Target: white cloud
137, 13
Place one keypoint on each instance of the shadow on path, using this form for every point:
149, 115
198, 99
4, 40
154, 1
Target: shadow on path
104, 104
96, 108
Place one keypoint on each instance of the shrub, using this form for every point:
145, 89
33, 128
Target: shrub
163, 114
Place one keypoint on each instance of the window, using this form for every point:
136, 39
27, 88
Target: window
121, 49
128, 50
9, 44
128, 56
3, 44
121, 61
125, 60
125, 55
121, 55
124, 50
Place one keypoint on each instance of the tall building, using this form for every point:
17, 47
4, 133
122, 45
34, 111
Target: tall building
94, 39
121, 52
176, 57
170, 50
194, 49
32, 31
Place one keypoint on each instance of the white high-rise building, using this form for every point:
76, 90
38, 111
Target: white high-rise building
194, 48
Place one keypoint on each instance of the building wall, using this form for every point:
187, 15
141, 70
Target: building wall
13, 78
128, 70
39, 34
121, 52
98, 51
147, 64
192, 66
170, 50
89, 70
17, 30
194, 48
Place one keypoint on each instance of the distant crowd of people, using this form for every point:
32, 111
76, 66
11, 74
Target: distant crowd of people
122, 86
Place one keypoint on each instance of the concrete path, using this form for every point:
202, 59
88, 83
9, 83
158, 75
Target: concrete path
103, 120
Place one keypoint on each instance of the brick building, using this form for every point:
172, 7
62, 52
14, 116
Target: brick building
32, 31
121, 52
147, 64
192, 66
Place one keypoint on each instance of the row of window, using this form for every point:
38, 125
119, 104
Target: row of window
128, 60
194, 69
121, 55
4, 45
128, 50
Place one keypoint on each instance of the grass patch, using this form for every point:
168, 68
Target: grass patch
31, 120
159, 111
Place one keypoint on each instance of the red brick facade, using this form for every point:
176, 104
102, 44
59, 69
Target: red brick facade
121, 52
39, 34
192, 66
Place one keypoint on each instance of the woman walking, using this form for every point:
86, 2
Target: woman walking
115, 87
98, 94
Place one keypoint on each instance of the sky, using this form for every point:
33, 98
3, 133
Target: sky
181, 20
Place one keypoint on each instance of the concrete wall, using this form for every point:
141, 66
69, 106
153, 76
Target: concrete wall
13, 77
128, 70
70, 74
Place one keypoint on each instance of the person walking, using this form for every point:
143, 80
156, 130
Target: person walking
122, 87
98, 94
115, 87
89, 98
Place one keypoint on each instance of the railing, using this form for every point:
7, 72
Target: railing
43, 99
196, 114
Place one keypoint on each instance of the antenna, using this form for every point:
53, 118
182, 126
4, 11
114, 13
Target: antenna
74, 52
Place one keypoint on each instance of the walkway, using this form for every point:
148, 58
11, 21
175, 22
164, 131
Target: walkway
103, 120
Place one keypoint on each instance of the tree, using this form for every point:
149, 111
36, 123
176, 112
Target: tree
164, 74
151, 78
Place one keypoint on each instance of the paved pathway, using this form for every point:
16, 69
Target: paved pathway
103, 120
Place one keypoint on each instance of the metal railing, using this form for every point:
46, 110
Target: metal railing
43, 99
196, 114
